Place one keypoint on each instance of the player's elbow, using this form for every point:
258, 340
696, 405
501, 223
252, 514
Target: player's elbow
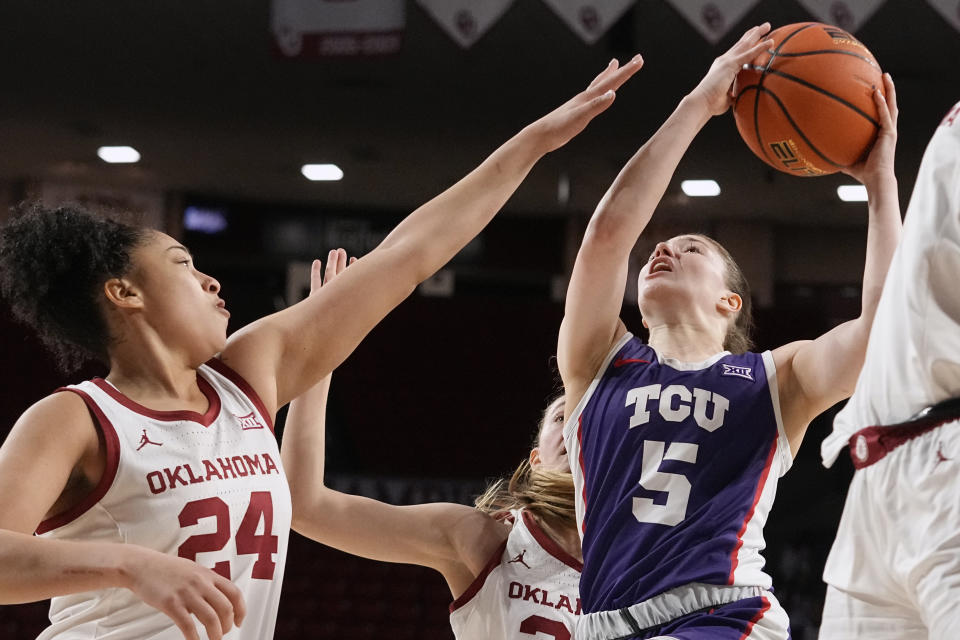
310, 505
602, 231
853, 364
406, 262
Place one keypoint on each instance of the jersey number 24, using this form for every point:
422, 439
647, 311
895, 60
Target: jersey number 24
248, 540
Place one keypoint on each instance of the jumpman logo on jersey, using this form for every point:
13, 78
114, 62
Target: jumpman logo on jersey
145, 440
520, 559
940, 456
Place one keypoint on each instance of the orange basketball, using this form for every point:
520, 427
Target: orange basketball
806, 106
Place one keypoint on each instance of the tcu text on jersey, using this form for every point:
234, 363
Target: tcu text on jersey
665, 497
676, 403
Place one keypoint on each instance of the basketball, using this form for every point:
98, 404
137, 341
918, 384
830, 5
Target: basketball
806, 106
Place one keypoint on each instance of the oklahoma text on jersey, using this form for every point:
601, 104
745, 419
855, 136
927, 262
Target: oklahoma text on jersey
218, 469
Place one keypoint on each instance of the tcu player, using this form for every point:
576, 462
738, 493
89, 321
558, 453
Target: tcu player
512, 564
894, 570
172, 454
676, 445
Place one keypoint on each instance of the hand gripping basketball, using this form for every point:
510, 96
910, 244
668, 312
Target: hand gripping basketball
715, 88
807, 105
879, 162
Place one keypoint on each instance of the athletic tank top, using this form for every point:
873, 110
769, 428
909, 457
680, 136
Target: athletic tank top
528, 588
918, 312
675, 467
208, 487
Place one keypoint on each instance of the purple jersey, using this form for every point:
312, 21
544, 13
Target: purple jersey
675, 466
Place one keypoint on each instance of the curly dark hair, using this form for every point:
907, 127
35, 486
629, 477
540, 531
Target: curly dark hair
53, 263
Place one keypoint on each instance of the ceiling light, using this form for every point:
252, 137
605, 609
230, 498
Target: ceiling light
118, 155
852, 192
321, 172
697, 188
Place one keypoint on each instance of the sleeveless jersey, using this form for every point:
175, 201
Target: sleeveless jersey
675, 467
528, 588
207, 487
918, 309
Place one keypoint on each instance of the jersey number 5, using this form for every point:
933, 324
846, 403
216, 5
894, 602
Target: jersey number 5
248, 540
675, 485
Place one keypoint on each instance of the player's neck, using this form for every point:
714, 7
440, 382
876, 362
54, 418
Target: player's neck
565, 536
685, 342
158, 383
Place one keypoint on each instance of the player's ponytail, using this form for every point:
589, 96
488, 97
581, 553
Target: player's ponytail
547, 494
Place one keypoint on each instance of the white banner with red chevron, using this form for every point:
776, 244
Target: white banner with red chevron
466, 20
949, 9
589, 19
714, 19
849, 15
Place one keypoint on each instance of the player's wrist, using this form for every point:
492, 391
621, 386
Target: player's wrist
697, 105
879, 182
123, 563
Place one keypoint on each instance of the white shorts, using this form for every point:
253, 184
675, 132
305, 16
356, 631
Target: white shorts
694, 611
894, 569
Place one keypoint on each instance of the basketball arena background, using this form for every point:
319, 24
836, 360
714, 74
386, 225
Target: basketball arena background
224, 102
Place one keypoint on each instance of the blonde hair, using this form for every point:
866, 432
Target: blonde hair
547, 493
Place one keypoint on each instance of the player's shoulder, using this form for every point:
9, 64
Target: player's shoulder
783, 355
61, 417
63, 406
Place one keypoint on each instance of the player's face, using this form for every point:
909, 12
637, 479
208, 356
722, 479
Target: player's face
179, 303
552, 452
684, 273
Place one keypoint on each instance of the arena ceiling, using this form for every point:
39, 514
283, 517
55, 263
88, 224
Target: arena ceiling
195, 86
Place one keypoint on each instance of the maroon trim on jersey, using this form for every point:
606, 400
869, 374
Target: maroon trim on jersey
112, 442
882, 440
549, 544
217, 365
206, 419
734, 561
477, 583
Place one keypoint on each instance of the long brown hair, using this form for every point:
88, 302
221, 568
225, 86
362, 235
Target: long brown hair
547, 493
738, 338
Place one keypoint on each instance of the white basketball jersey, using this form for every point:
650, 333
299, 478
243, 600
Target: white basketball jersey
207, 487
918, 310
530, 587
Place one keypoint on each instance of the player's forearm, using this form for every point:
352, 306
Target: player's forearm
303, 445
883, 235
629, 204
34, 569
430, 236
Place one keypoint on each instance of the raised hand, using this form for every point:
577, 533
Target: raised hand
879, 162
336, 262
563, 123
716, 86
182, 589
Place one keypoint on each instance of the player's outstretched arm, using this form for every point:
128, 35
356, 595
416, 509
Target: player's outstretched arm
286, 353
591, 317
52, 440
814, 375
451, 538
